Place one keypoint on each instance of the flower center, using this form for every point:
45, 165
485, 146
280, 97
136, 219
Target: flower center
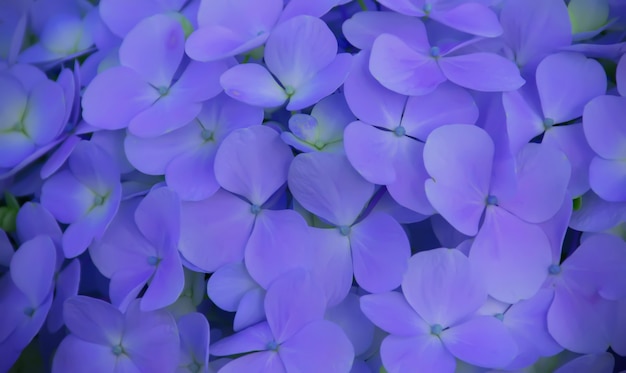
255, 209
548, 123
399, 131
344, 230
29, 311
554, 269
194, 367
272, 345
163, 90
207, 135
289, 90
117, 350
153, 260
435, 52
436, 329
499, 316
492, 200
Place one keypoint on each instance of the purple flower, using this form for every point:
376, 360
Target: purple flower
105, 339
432, 323
86, 195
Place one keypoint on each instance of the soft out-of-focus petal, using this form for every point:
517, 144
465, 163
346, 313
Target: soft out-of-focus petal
486, 72
154, 49
166, 285
258, 362
253, 162
600, 363
214, 42
74, 353
115, 96
303, 350
228, 285
420, 353
332, 263
167, 114
461, 170
442, 286
33, 219
391, 312
121, 16
191, 173
46, 110
371, 152
14, 148
32, 268
158, 218
253, 84
298, 49
566, 82
513, 256
620, 76
65, 197
328, 186
201, 80
250, 309
293, 301
254, 338
402, 69
358, 328
380, 250
482, 341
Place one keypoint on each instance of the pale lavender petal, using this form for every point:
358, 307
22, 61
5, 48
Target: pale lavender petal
603, 131
486, 72
293, 301
228, 285
298, 49
607, 178
578, 78
303, 350
121, 16
250, 309
43, 120
402, 69
158, 218
442, 286
32, 268
380, 250
364, 27
322, 84
115, 96
154, 49
543, 174
391, 312
125, 286
201, 81
421, 353
191, 173
194, 332
253, 84
93, 320
74, 353
358, 328
254, 338
166, 285
473, 18
408, 7
214, 231
278, 244
215, 42
328, 186
461, 170
523, 120
168, 113
423, 114
512, 255
332, 263
253, 162
14, 148
482, 341
258, 362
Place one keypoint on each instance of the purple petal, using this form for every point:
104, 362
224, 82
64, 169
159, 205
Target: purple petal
292, 302
32, 268
364, 27
228, 285
332, 263
152, 155
254, 338
596, 214
408, 7
166, 285
74, 353
13, 101
125, 285
461, 170
277, 245
167, 114
473, 18
425, 113
512, 255
361, 89
151, 339
253, 84
115, 96
302, 351
215, 231
380, 250
442, 286
158, 218
154, 49
391, 312
258, 362
604, 133
65, 197
322, 84
298, 49
43, 120
542, 177
606, 178
550, 25
67, 283
421, 353
33, 219
579, 79
600, 363
14, 148
93, 320
327, 185
482, 341
523, 120
121, 16
253, 162
620, 76
189, 175
485, 72
358, 328
403, 69
58, 158
94, 168
250, 310
201, 81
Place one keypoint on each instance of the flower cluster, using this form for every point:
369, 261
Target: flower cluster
312, 186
